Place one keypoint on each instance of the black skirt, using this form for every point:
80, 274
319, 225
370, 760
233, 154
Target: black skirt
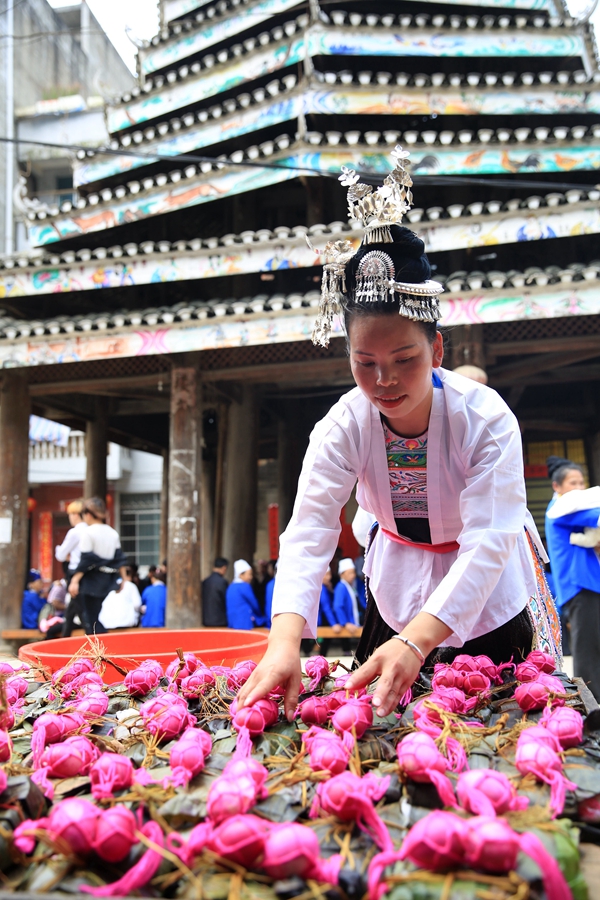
513, 639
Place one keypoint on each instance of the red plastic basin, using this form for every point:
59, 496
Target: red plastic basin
215, 647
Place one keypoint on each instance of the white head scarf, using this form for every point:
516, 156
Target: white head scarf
345, 564
239, 567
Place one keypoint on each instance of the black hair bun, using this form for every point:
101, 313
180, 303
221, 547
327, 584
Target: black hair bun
411, 245
407, 252
554, 463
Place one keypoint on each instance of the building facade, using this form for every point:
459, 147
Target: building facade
168, 305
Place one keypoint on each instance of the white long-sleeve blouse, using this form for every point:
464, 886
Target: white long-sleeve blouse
476, 497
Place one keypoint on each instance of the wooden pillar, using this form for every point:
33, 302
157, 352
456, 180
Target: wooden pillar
285, 472
96, 448
185, 467
223, 424
164, 508
466, 346
241, 477
14, 460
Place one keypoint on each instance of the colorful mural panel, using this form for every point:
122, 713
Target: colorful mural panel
174, 9
345, 101
213, 132
280, 328
173, 51
159, 269
192, 90
434, 161
524, 226
276, 255
360, 41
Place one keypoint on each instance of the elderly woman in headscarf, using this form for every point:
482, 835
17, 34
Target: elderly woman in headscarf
243, 609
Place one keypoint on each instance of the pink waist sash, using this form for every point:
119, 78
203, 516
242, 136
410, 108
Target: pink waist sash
448, 547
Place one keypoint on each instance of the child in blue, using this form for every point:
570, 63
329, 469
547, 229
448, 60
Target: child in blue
154, 598
345, 597
33, 602
243, 609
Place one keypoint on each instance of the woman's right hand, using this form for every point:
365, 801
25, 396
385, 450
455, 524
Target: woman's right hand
279, 667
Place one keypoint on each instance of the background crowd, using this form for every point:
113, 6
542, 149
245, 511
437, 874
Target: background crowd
101, 590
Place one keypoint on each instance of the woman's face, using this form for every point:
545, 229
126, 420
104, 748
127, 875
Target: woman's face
391, 360
573, 481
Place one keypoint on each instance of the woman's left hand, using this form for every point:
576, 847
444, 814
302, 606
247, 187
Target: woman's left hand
398, 667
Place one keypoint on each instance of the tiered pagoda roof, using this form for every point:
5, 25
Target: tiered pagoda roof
193, 218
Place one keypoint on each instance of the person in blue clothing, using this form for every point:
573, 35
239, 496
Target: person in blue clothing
326, 612
243, 609
154, 600
33, 602
270, 587
575, 566
345, 597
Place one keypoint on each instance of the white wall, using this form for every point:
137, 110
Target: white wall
144, 475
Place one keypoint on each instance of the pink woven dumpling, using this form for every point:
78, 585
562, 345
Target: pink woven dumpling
589, 810
355, 716
435, 842
240, 839
73, 756
290, 849
327, 751
533, 695
74, 821
166, 715
421, 761
249, 768
314, 711
230, 796
544, 763
486, 792
115, 833
191, 663
111, 773
526, 671
5, 746
140, 681
544, 662
197, 683
240, 674
566, 724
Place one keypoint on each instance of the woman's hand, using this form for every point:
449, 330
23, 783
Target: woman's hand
73, 587
279, 667
397, 665
352, 628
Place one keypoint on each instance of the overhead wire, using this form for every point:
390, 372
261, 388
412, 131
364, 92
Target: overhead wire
370, 177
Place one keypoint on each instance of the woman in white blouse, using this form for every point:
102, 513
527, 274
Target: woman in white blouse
452, 565
69, 551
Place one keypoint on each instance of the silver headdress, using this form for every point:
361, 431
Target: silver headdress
375, 276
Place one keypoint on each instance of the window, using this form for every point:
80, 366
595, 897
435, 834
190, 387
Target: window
140, 528
539, 486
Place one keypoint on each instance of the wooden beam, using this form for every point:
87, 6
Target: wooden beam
306, 370
97, 385
569, 375
508, 374
142, 407
556, 426
542, 345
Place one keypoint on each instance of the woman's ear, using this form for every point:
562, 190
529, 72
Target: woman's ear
438, 351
